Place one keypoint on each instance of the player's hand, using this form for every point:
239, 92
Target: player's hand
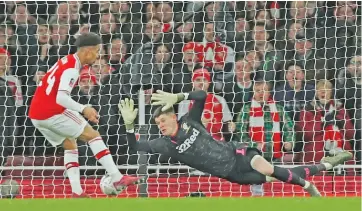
164, 98
128, 112
91, 114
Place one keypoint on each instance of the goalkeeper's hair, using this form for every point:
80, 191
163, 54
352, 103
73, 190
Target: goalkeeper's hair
158, 112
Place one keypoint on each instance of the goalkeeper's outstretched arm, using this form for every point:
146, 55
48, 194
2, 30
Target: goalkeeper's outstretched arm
142, 146
167, 100
199, 98
129, 114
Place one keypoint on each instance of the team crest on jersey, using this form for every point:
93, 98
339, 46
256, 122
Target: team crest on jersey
71, 83
185, 127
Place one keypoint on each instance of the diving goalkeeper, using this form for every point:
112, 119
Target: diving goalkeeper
188, 141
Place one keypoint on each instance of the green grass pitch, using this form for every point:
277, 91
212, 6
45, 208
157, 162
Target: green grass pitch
184, 204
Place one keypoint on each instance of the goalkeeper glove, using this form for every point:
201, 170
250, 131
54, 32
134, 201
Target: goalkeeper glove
166, 99
128, 112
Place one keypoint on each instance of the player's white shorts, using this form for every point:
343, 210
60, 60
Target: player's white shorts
69, 124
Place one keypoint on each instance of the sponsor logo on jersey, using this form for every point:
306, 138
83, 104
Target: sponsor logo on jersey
185, 127
188, 142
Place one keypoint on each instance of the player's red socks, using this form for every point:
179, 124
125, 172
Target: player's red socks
102, 154
72, 165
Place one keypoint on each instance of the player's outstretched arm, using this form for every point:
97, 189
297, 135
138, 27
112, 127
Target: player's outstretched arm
167, 100
129, 114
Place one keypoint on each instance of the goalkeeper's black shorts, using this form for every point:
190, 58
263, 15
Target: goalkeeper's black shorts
242, 172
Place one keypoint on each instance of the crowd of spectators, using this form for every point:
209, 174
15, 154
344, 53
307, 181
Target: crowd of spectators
284, 77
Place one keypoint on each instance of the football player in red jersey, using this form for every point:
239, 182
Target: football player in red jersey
58, 117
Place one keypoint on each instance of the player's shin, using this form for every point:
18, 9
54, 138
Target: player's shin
102, 154
259, 164
286, 175
72, 165
307, 171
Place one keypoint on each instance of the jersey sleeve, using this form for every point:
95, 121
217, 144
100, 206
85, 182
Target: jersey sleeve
68, 79
143, 146
199, 98
158, 145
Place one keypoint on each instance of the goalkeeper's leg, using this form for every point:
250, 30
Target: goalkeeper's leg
103, 155
327, 163
259, 164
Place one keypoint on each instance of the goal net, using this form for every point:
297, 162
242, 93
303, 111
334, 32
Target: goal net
308, 53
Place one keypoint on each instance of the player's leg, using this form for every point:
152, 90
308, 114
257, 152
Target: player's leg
71, 162
70, 152
72, 125
103, 155
259, 164
100, 151
326, 164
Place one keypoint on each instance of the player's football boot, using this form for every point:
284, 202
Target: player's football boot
83, 195
127, 181
313, 191
340, 158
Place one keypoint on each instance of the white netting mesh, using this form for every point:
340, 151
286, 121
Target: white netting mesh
149, 46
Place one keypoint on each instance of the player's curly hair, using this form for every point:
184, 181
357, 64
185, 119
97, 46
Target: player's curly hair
158, 112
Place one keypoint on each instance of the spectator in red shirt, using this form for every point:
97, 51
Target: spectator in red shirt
192, 55
213, 49
325, 125
216, 112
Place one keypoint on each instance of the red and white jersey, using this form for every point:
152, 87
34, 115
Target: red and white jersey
61, 77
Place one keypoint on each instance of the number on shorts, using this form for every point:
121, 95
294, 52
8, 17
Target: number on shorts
51, 78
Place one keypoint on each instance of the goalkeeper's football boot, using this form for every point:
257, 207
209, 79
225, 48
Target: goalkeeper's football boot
339, 159
313, 191
127, 181
83, 195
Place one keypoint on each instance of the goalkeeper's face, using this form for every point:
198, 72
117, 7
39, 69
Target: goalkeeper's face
167, 123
